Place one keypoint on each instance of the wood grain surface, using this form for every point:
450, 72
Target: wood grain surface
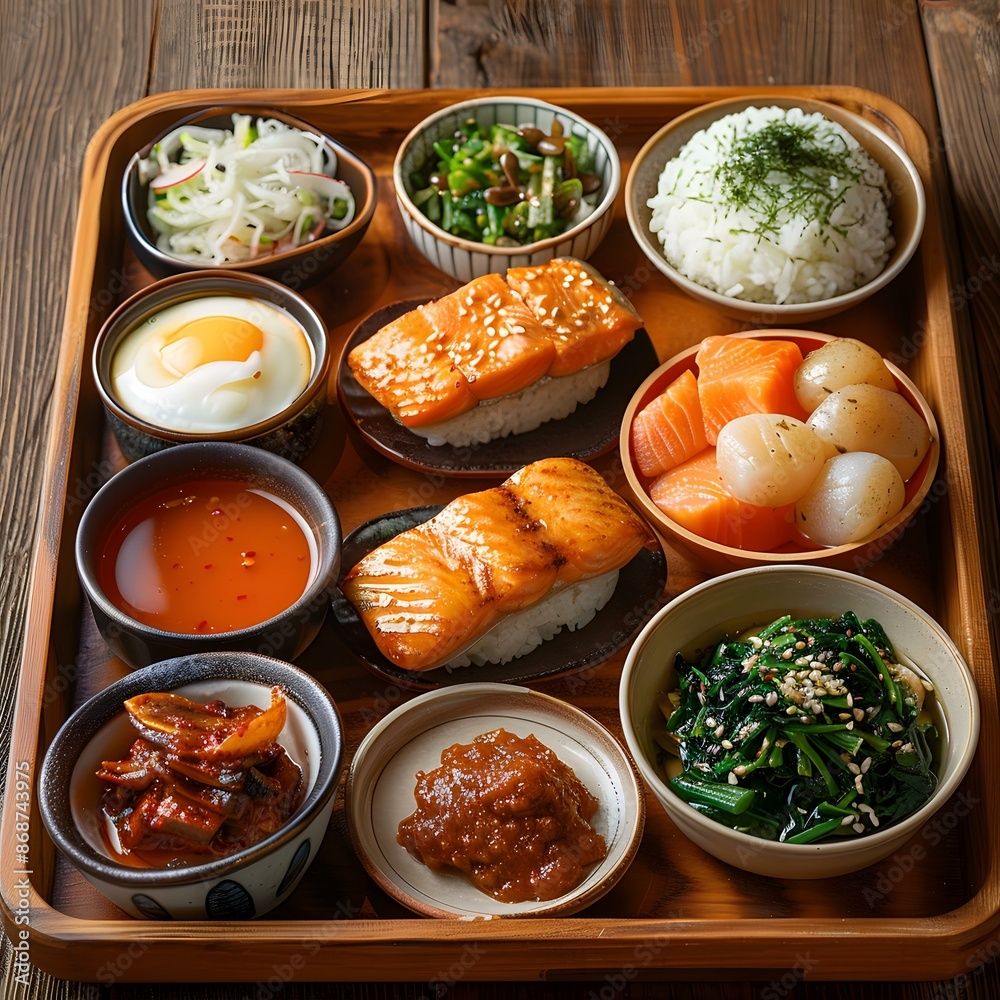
69, 64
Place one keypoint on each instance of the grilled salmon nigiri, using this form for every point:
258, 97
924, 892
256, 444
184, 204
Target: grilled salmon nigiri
495, 573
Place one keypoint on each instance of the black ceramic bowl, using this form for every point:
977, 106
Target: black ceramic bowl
241, 885
286, 634
291, 432
296, 268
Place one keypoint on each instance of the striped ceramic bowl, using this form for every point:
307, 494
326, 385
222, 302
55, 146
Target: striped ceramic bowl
464, 259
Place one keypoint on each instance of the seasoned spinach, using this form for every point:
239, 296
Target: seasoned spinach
805, 730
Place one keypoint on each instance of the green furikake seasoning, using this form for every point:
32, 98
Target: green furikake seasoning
784, 169
806, 730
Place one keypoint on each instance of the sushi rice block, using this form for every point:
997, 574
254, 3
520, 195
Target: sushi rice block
496, 573
498, 356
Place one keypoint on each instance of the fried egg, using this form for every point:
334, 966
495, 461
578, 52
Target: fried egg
215, 363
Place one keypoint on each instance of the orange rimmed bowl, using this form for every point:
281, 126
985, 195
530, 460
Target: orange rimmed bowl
719, 558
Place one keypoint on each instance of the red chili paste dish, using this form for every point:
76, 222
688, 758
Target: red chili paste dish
209, 555
509, 815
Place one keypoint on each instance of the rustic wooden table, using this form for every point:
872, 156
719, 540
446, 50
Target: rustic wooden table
68, 64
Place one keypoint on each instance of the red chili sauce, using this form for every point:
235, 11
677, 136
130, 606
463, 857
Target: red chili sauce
509, 815
209, 555
203, 781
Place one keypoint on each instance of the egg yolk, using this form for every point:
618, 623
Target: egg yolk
195, 343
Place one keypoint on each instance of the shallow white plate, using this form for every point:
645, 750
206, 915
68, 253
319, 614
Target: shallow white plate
383, 775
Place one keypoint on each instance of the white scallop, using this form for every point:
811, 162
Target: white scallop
851, 497
769, 459
839, 362
867, 418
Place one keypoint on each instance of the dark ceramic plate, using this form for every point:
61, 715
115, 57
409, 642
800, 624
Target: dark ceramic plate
637, 597
590, 431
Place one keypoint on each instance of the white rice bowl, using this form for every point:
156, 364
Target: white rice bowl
755, 244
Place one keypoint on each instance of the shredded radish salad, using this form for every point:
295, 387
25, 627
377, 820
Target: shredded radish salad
217, 195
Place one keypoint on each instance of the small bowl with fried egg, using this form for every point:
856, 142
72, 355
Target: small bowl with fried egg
211, 356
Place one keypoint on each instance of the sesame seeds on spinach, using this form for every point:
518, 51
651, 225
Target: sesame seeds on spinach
805, 730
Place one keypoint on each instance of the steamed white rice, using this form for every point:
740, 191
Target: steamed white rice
519, 412
569, 607
772, 255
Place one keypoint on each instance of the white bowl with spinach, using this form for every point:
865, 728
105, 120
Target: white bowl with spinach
798, 721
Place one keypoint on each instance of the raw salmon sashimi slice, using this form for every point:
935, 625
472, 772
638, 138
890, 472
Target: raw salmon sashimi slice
405, 367
669, 429
740, 375
430, 592
693, 495
493, 338
588, 319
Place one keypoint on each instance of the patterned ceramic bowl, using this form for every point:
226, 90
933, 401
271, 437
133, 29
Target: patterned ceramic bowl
464, 259
236, 887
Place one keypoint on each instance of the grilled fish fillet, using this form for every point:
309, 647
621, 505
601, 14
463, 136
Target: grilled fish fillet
432, 591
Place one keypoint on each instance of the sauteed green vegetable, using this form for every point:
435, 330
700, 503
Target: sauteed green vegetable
506, 186
807, 729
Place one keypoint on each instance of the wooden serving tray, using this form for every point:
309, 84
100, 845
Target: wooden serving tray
924, 914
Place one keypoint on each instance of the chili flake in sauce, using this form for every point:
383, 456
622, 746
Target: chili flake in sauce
509, 815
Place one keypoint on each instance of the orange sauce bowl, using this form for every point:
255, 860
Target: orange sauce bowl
210, 546
716, 557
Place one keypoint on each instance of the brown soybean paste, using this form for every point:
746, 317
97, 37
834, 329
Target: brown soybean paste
509, 815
